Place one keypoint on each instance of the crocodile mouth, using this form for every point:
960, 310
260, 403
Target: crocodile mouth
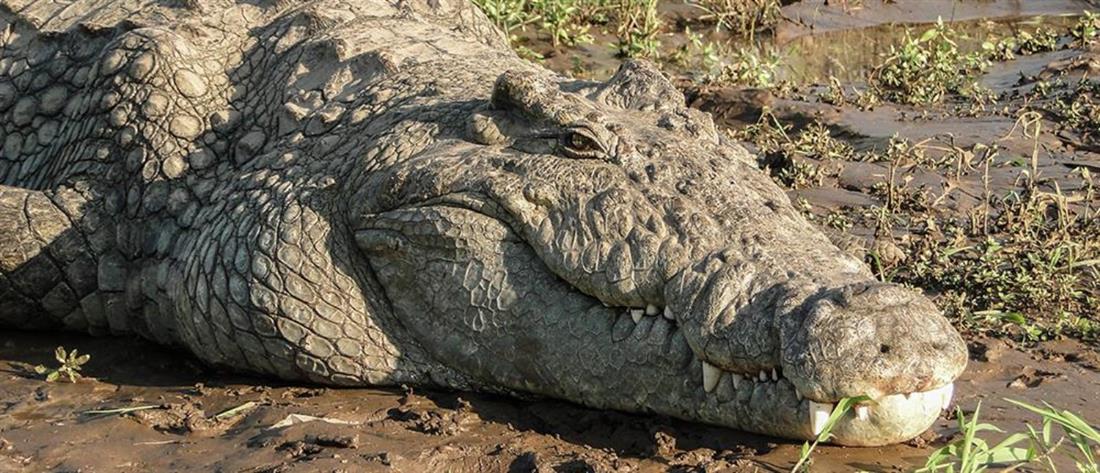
714, 393
860, 426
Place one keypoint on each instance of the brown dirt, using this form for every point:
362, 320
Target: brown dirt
44, 426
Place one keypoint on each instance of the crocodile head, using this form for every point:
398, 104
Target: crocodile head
604, 244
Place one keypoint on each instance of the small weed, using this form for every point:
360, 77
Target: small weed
639, 26
740, 17
837, 220
560, 19
722, 64
1086, 29
508, 15
1003, 49
1084, 438
790, 160
1042, 40
971, 454
749, 67
71, 364
926, 68
1033, 266
834, 94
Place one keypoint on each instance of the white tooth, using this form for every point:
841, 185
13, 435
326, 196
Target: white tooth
946, 393
636, 314
668, 313
711, 375
863, 412
798, 394
763, 376
652, 310
819, 415
775, 375
737, 380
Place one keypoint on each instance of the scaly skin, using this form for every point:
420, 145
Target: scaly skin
361, 192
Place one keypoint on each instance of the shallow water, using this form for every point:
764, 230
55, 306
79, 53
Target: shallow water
814, 42
850, 54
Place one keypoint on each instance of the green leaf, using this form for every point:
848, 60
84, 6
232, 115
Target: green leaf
52, 376
59, 354
40, 369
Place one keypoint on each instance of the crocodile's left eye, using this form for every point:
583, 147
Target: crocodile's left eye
578, 143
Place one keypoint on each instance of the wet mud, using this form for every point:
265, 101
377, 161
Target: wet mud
183, 424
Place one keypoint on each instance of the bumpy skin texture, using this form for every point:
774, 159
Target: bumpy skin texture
370, 192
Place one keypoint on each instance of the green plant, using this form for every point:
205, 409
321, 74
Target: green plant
1087, 28
834, 94
926, 68
509, 15
1042, 40
1003, 49
1081, 435
71, 364
790, 160
639, 26
749, 66
842, 407
971, 454
559, 18
739, 17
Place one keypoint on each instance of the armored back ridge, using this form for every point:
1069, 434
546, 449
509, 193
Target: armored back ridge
365, 192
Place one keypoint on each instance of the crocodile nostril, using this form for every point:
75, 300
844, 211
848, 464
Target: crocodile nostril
884, 349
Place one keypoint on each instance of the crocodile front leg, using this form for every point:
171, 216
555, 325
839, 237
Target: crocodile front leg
46, 267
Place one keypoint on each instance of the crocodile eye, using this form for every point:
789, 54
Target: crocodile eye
578, 141
578, 144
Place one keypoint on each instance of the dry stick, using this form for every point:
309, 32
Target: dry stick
987, 194
159, 442
234, 411
120, 410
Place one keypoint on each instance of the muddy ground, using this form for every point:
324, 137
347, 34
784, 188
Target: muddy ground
197, 418
47, 427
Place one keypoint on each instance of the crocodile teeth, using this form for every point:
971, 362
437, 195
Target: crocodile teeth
946, 393
798, 394
652, 310
863, 412
763, 376
711, 374
819, 415
775, 375
636, 314
668, 313
737, 380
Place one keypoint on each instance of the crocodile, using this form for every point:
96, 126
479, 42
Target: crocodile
382, 193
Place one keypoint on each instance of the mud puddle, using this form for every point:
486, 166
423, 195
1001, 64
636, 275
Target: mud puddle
813, 41
47, 427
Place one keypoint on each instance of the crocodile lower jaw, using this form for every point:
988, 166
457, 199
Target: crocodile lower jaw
866, 416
